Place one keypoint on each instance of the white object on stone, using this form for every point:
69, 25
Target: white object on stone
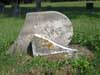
53, 25
44, 46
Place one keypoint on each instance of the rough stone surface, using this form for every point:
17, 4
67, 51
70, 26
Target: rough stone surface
44, 46
51, 24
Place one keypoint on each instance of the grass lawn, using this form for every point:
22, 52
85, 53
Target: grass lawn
86, 25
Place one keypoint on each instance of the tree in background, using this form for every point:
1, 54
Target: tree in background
38, 5
1, 6
15, 7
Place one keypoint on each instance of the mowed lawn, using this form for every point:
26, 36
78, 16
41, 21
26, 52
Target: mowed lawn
86, 24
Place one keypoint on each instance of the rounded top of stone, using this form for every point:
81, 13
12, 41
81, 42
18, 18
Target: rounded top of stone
45, 12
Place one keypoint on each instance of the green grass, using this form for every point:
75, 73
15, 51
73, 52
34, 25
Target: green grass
86, 25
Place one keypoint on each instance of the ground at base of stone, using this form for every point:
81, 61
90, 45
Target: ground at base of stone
66, 70
82, 51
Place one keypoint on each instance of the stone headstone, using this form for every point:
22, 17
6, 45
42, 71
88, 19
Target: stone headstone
50, 31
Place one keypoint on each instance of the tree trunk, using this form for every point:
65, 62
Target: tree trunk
1, 7
15, 8
38, 5
89, 4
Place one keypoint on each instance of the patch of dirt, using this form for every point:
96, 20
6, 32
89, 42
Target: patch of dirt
35, 72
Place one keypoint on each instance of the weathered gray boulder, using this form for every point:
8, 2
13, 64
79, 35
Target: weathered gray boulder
51, 25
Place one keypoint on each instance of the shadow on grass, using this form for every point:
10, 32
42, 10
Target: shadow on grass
71, 12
